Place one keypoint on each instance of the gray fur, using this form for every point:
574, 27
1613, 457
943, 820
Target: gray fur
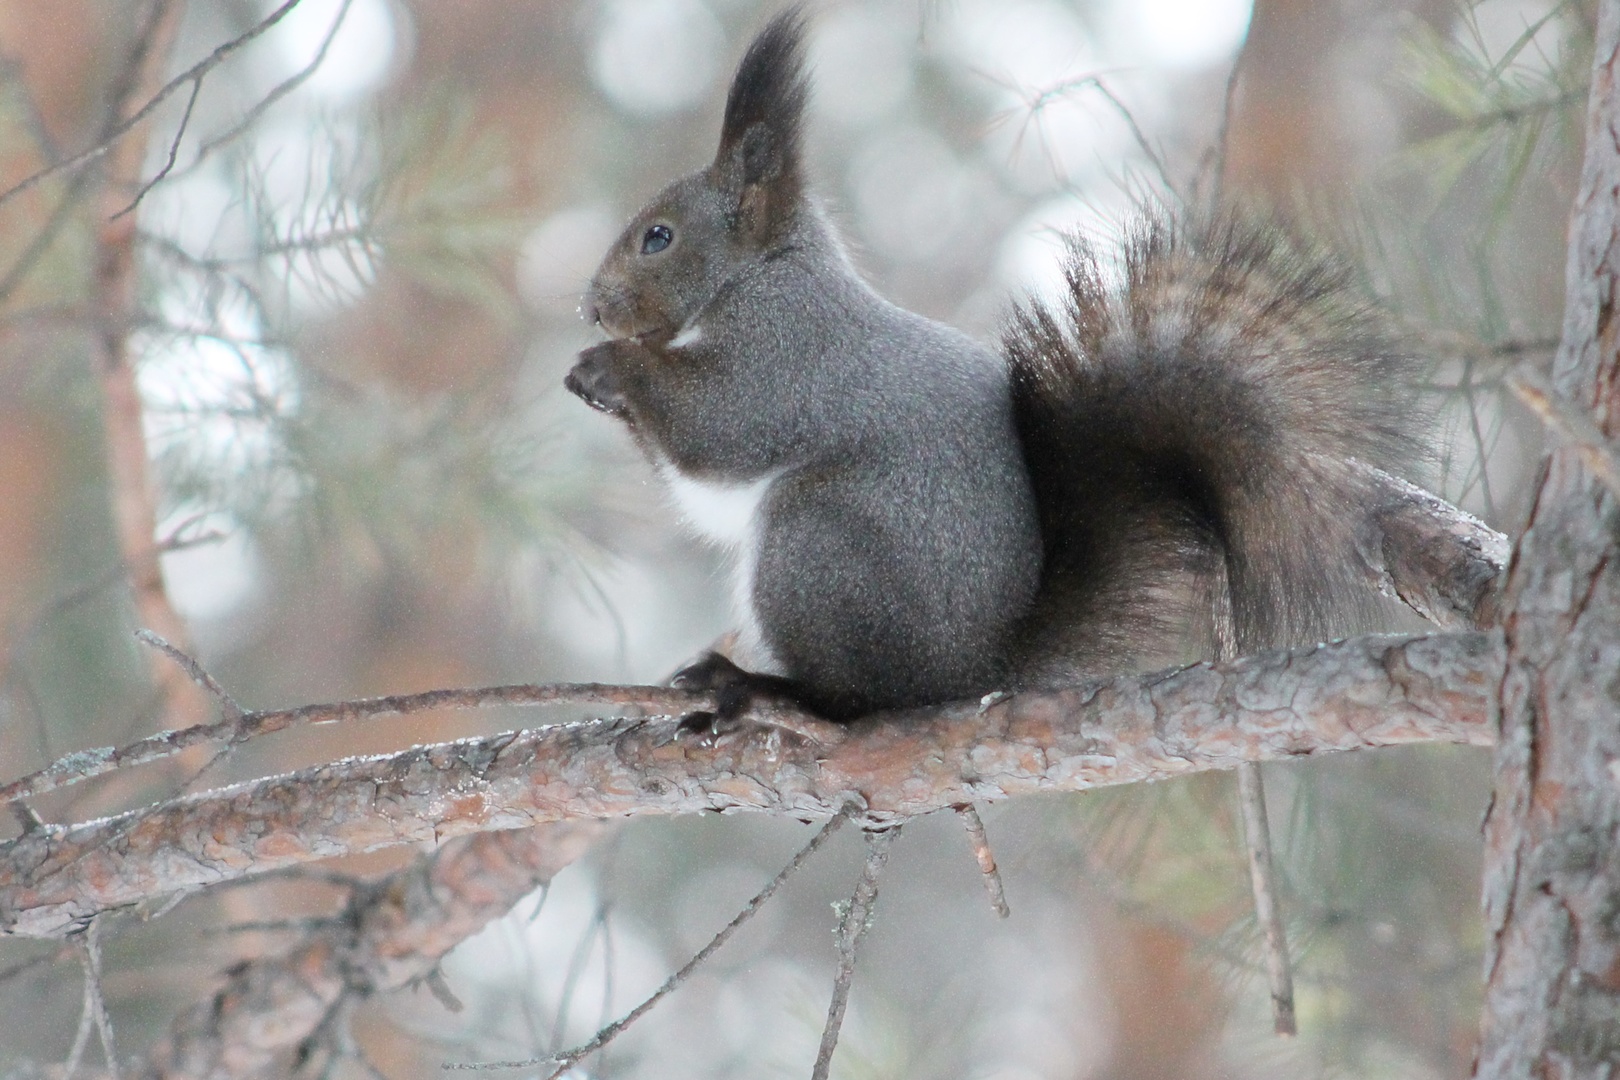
898, 545
1185, 433
1189, 426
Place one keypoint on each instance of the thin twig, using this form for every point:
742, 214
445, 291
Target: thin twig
561, 1063
857, 921
1460, 347
1267, 912
576, 971
111, 138
985, 858
1569, 424
11, 72
174, 151
104, 1028
123, 87
281, 90
81, 1037
86, 764
194, 671
1154, 156
1257, 840
95, 1005
1037, 100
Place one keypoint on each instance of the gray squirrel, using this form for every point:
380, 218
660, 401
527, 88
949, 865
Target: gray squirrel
1159, 469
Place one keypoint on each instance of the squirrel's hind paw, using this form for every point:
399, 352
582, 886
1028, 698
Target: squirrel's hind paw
745, 699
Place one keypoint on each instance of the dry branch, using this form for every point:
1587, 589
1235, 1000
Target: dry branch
1441, 561
563, 1061
856, 922
113, 136
392, 934
1267, 912
87, 764
1362, 693
980, 842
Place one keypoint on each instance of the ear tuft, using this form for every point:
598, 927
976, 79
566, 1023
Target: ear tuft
765, 108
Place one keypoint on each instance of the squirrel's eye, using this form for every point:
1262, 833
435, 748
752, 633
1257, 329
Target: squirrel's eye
656, 239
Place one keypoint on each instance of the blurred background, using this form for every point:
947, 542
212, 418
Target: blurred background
320, 363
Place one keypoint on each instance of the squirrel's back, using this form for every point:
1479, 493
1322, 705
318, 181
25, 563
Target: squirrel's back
1197, 423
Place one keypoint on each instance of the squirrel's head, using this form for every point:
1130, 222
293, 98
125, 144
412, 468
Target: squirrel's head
706, 229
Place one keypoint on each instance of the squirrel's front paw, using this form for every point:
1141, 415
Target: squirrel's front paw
594, 379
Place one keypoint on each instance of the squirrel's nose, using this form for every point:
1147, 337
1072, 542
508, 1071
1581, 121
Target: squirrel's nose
590, 312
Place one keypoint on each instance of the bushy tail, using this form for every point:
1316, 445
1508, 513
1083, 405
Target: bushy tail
1191, 421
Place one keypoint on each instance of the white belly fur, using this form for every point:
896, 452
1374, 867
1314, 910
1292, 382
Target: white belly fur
729, 516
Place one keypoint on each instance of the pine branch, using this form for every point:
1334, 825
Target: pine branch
238, 727
1357, 694
392, 934
147, 50
1441, 561
246, 121
114, 135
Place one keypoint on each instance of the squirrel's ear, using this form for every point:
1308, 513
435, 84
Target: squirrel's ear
758, 162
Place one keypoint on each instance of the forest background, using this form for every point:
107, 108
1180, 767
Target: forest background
324, 373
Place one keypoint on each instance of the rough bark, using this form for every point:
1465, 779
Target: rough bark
1552, 882
1442, 562
237, 726
391, 935
1362, 693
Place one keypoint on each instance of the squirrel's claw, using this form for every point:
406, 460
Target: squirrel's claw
595, 381
711, 671
737, 693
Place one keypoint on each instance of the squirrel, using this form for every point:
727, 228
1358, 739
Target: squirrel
1159, 469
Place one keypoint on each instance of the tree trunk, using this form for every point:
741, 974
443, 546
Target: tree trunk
1552, 880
